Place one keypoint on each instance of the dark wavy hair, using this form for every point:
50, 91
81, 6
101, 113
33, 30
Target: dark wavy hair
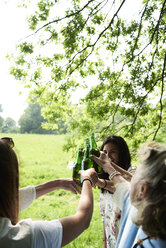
9, 183
124, 154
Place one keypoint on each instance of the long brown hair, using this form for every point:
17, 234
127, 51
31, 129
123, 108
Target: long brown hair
9, 183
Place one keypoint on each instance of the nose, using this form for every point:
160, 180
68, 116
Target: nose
110, 156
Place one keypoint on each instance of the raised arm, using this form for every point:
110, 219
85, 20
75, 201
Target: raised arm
116, 175
118, 184
28, 194
105, 184
67, 184
108, 166
74, 225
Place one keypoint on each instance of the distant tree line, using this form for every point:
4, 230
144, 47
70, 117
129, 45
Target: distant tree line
31, 121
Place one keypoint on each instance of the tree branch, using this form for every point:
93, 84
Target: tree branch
161, 97
93, 45
65, 17
139, 30
155, 29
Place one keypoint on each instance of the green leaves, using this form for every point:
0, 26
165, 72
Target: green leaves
41, 15
26, 48
19, 74
115, 62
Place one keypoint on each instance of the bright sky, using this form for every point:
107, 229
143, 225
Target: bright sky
13, 25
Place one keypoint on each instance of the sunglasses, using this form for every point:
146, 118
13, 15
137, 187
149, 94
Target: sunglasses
8, 140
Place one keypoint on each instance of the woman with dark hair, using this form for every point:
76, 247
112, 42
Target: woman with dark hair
37, 234
118, 152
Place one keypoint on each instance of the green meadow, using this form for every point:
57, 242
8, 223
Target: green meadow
41, 159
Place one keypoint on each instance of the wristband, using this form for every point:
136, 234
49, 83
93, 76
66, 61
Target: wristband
105, 184
88, 179
115, 173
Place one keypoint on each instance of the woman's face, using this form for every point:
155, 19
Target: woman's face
136, 185
112, 151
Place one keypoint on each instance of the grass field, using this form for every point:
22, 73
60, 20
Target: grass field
41, 159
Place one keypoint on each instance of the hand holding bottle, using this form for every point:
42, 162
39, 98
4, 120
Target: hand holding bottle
108, 166
72, 185
94, 150
104, 161
89, 174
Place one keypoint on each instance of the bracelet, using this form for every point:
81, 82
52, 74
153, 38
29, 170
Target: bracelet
88, 179
105, 184
115, 173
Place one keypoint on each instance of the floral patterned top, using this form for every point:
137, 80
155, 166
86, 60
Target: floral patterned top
111, 216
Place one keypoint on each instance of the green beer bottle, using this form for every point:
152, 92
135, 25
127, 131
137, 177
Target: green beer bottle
95, 151
86, 142
77, 166
86, 162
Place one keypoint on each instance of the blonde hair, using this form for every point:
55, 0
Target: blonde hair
153, 215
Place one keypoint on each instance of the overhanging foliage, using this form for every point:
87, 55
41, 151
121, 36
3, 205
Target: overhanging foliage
114, 59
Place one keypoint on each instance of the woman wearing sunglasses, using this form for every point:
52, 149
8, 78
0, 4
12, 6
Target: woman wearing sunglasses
37, 234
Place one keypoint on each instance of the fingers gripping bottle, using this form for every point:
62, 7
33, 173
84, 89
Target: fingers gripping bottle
77, 166
95, 151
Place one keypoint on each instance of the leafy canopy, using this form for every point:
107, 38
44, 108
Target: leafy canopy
113, 60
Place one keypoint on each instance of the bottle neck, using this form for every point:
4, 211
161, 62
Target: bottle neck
93, 145
79, 157
86, 153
